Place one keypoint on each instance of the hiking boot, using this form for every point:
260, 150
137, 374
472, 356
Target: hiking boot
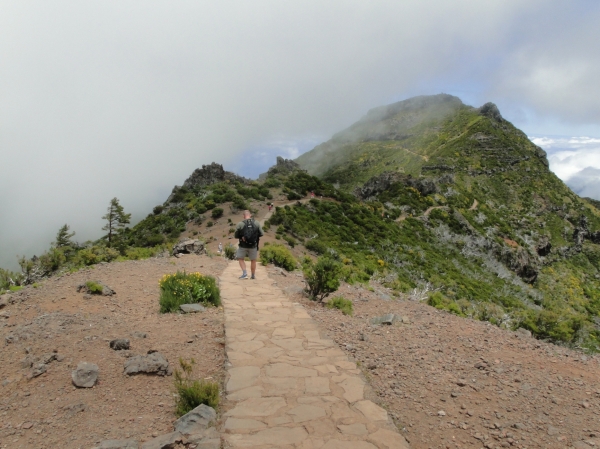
244, 276
252, 277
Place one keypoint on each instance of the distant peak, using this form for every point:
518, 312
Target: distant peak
490, 110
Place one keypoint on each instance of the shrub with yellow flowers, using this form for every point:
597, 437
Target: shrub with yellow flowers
187, 288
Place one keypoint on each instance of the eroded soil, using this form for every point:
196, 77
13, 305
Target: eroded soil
48, 411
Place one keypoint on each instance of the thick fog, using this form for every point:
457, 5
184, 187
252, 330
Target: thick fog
104, 98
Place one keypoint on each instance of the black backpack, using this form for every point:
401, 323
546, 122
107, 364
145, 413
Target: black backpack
250, 232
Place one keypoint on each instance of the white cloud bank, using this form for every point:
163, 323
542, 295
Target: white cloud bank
575, 160
104, 98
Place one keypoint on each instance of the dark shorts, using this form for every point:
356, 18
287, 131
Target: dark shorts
250, 253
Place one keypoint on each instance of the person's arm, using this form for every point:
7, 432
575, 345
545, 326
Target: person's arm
260, 229
238, 228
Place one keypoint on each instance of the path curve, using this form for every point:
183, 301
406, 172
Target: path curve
288, 386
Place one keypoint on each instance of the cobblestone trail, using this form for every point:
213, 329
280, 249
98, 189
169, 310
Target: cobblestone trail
287, 386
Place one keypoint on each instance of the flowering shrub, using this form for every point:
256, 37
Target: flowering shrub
182, 288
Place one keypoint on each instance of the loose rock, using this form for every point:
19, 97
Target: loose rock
118, 444
192, 308
196, 421
86, 375
119, 344
154, 363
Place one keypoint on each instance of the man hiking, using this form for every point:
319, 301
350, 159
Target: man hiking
249, 232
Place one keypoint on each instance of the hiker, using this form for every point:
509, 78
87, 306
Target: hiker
270, 207
249, 232
220, 248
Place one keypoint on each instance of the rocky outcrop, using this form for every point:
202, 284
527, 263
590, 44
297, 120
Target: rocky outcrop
211, 174
282, 167
188, 246
383, 181
490, 110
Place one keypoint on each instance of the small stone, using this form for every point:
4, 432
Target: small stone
139, 334
38, 370
27, 425
461, 382
441, 413
86, 375
119, 344
192, 308
118, 444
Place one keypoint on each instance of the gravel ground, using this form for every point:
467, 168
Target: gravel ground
451, 382
48, 411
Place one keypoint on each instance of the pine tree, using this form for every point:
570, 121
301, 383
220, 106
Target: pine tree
116, 219
63, 237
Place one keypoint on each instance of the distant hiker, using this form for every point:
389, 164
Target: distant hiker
220, 248
312, 194
249, 232
270, 207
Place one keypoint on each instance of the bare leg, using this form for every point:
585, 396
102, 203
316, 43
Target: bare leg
253, 266
243, 264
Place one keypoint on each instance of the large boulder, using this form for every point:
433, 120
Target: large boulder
86, 375
154, 363
188, 246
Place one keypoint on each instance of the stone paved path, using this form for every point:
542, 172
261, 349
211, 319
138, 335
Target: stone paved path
287, 386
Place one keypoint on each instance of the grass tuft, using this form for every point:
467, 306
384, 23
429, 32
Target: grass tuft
192, 392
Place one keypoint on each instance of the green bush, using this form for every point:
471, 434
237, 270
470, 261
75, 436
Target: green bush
209, 224
94, 288
182, 288
135, 253
230, 251
279, 256
217, 212
339, 302
52, 260
193, 392
291, 241
322, 278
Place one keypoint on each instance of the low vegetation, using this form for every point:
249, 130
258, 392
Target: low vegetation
230, 251
322, 277
183, 288
192, 392
341, 303
93, 287
278, 255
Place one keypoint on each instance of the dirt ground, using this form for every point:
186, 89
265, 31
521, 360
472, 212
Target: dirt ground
451, 382
48, 411
448, 382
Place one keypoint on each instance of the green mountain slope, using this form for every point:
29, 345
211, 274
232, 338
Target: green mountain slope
464, 211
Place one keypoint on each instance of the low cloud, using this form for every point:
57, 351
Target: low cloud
575, 160
103, 99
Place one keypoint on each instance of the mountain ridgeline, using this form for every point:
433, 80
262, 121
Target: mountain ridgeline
469, 216
436, 200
